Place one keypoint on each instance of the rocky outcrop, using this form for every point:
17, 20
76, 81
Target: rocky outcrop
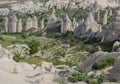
6, 24
29, 24
4, 53
113, 32
53, 24
105, 17
66, 24
19, 50
52, 18
116, 46
19, 28
88, 28
12, 24
35, 22
96, 58
42, 24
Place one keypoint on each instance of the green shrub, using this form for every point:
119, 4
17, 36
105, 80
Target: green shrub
109, 61
17, 57
103, 78
79, 77
34, 46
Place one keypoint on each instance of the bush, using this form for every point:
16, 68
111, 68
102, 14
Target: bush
17, 57
103, 78
79, 77
109, 61
34, 46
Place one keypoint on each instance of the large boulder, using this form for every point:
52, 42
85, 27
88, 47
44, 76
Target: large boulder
116, 46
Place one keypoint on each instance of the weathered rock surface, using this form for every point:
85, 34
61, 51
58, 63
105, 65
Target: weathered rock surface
88, 28
113, 32
113, 73
116, 46
19, 50
4, 53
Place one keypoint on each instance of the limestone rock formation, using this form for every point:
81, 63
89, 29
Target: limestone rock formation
110, 12
66, 24
88, 28
6, 24
13, 24
42, 24
29, 23
113, 32
4, 53
52, 18
19, 26
105, 17
74, 24
97, 16
53, 24
96, 7
35, 22
113, 73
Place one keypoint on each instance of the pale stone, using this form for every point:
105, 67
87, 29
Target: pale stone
19, 26
105, 17
29, 23
88, 28
6, 24
66, 24
112, 33
35, 22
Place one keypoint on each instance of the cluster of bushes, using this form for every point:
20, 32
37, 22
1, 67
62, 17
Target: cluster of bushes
82, 76
109, 61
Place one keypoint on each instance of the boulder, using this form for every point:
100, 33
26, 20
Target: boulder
116, 46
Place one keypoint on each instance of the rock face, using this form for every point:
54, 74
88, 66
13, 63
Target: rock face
66, 24
88, 28
4, 53
42, 24
19, 28
29, 24
23, 73
105, 17
6, 24
102, 3
97, 16
53, 24
35, 22
113, 32
113, 73
12, 24
52, 18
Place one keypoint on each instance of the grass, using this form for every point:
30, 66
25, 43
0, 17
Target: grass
33, 60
